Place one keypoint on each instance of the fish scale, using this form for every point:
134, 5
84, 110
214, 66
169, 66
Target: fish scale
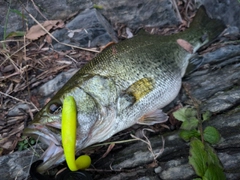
127, 83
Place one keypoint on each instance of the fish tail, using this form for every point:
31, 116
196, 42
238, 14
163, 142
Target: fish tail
211, 28
208, 29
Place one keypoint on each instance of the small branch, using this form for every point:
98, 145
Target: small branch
8, 57
116, 142
147, 141
19, 100
196, 104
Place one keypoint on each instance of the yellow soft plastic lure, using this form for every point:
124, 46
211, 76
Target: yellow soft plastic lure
69, 123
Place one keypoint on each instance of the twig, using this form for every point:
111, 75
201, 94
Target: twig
19, 100
8, 57
31, 161
155, 155
86, 49
196, 104
112, 170
38, 10
65, 55
116, 142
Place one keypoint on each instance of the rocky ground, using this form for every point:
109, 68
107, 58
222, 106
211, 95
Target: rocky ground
33, 69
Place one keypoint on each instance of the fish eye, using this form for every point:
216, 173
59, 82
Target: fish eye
55, 107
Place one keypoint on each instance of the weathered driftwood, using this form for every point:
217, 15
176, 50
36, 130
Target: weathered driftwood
217, 87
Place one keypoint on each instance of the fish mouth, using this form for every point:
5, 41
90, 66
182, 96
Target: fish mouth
53, 155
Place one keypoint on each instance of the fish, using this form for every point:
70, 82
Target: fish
127, 83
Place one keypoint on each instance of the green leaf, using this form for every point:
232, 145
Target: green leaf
187, 135
214, 172
190, 124
206, 115
16, 34
180, 114
184, 113
25, 146
211, 135
198, 157
20, 147
32, 141
205, 161
212, 156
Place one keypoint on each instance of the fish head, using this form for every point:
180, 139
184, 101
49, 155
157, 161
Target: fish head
46, 125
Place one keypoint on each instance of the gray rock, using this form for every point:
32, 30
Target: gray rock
17, 164
88, 29
158, 169
222, 101
55, 84
134, 175
18, 109
226, 53
176, 169
131, 13
231, 160
55, 9
174, 160
134, 160
216, 78
137, 13
227, 10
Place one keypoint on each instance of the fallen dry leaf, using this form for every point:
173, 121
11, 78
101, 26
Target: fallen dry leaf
48, 39
37, 31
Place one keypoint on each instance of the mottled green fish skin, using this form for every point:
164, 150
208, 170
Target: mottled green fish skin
124, 83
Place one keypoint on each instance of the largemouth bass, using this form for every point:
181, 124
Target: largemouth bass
125, 84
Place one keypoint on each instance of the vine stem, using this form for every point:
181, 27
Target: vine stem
196, 104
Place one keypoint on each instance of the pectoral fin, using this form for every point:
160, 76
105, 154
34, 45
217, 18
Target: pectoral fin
157, 116
140, 88
135, 92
